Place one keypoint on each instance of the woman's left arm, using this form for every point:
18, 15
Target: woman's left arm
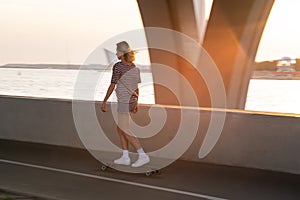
108, 93
137, 96
137, 92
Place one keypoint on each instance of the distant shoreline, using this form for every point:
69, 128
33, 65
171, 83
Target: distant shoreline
273, 75
96, 67
41, 66
258, 74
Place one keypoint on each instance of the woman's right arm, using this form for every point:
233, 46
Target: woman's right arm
108, 93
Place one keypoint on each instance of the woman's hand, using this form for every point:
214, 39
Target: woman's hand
135, 109
103, 107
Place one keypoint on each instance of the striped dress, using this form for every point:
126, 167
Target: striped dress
126, 78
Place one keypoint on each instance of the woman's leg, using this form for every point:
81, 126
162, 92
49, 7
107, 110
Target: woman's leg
123, 139
125, 159
124, 124
125, 132
133, 141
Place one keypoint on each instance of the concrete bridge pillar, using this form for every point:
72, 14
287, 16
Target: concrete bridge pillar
232, 37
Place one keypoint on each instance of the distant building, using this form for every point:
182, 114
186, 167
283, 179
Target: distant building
286, 64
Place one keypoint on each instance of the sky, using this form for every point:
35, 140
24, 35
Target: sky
67, 31
61, 31
281, 34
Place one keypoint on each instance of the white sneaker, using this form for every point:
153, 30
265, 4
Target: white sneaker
143, 159
122, 161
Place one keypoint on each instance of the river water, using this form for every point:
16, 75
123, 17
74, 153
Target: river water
263, 95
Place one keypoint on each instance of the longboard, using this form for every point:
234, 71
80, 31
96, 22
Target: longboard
148, 168
151, 168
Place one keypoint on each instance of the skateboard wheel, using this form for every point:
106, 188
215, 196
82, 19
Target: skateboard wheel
148, 173
103, 167
157, 171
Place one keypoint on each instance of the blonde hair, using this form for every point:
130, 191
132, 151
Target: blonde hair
129, 55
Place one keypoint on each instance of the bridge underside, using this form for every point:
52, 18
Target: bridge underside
231, 40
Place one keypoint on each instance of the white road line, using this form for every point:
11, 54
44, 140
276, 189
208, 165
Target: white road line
112, 180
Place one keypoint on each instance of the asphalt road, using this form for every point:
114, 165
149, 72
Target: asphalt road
52, 172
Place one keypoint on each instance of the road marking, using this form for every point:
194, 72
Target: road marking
113, 180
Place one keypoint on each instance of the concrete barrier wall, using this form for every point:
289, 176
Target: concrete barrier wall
248, 139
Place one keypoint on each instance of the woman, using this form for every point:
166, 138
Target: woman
126, 77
